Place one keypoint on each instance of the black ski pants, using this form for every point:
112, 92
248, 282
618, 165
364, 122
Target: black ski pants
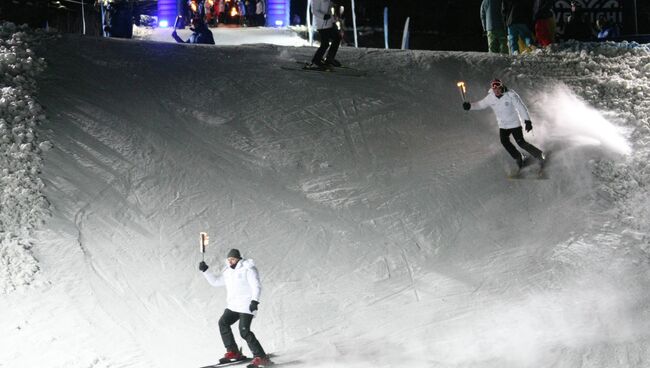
228, 319
518, 134
329, 37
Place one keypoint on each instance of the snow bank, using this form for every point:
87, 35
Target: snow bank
606, 103
22, 205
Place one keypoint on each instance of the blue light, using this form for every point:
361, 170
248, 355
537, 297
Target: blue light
277, 12
167, 12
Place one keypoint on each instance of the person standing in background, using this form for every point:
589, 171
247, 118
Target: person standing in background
544, 22
260, 13
518, 15
494, 26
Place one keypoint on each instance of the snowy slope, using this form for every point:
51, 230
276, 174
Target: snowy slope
377, 210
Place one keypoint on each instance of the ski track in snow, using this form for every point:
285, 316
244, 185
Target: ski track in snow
376, 209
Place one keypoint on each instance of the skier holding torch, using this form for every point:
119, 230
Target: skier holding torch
243, 289
510, 111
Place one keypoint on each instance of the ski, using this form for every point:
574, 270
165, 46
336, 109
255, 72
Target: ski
228, 364
325, 70
331, 66
540, 175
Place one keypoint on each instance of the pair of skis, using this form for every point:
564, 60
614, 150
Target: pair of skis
223, 362
335, 70
236, 362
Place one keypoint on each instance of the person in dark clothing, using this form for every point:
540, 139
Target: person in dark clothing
200, 33
577, 27
607, 29
118, 19
518, 15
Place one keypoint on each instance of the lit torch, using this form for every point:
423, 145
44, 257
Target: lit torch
463, 91
203, 243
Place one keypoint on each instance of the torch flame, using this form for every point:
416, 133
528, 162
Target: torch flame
205, 239
233, 11
463, 91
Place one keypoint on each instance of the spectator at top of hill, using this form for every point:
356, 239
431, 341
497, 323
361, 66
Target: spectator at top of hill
518, 15
544, 22
494, 26
607, 29
576, 26
260, 13
200, 33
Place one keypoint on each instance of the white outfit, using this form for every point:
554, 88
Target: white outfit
319, 8
242, 285
509, 109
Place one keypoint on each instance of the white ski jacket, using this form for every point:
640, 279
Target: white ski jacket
242, 285
319, 8
509, 109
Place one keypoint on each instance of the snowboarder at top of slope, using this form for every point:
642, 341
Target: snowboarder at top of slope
510, 111
330, 38
243, 289
200, 33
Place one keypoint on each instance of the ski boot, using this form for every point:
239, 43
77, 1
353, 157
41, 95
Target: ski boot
522, 161
232, 356
317, 65
260, 362
542, 160
333, 62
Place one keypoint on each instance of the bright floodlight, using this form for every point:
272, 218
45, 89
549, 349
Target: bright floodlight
163, 23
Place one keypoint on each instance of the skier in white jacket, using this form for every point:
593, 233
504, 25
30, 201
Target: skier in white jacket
243, 289
330, 38
510, 111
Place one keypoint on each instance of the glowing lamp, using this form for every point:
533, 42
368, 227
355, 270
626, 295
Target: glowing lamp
167, 9
277, 12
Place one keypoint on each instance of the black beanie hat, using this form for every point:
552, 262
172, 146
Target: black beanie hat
234, 253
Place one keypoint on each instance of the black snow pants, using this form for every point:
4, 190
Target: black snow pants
329, 37
517, 133
229, 318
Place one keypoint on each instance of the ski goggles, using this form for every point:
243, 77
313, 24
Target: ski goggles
496, 85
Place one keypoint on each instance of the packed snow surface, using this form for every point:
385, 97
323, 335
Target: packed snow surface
377, 211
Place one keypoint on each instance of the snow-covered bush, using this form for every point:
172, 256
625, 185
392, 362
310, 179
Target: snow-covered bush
612, 77
22, 204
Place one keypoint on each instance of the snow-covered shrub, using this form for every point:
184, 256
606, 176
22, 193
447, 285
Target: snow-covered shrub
612, 77
22, 204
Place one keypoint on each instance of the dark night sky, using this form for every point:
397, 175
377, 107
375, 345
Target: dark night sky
425, 14
434, 24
